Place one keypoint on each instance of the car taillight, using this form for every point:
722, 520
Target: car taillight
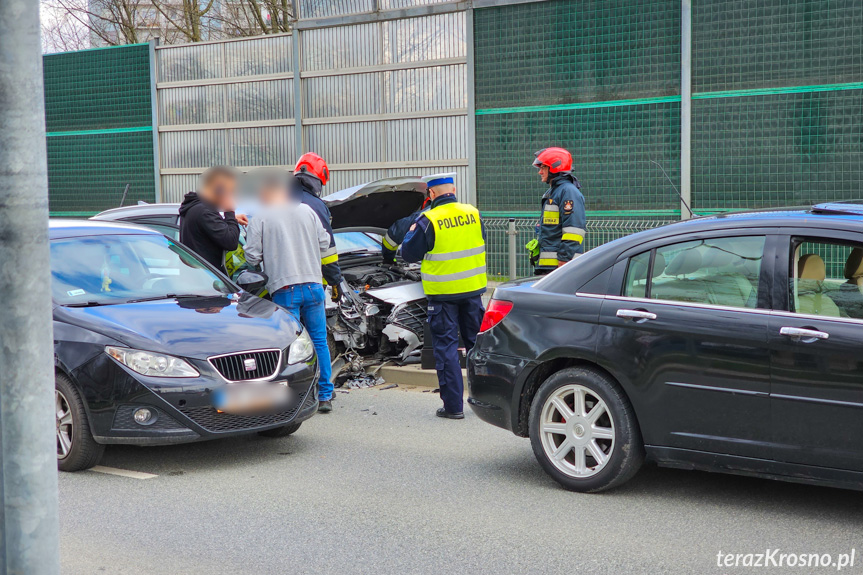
494, 313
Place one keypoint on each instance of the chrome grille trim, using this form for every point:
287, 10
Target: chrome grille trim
231, 368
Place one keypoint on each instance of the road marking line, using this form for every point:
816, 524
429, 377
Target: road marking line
122, 472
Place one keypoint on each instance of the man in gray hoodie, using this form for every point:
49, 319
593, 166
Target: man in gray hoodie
288, 238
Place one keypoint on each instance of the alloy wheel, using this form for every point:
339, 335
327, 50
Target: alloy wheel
577, 431
64, 425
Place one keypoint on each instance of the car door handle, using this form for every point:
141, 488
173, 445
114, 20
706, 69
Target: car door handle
804, 334
635, 314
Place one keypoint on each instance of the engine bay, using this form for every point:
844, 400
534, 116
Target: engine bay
382, 319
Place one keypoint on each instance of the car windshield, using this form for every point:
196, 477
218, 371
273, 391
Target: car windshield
347, 242
101, 270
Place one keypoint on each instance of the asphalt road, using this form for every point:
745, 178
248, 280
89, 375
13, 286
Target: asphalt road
383, 486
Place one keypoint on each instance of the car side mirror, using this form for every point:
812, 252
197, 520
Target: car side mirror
252, 281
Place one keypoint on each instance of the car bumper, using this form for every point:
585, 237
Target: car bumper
492, 383
183, 409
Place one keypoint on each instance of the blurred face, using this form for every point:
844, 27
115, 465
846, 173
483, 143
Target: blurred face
543, 173
220, 190
270, 195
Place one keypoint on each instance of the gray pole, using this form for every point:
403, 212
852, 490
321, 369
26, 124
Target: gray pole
685, 106
471, 110
29, 527
513, 270
296, 48
154, 113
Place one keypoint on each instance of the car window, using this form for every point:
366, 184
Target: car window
114, 269
636, 275
356, 241
170, 231
721, 271
826, 278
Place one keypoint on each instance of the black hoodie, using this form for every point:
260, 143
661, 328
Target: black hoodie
204, 231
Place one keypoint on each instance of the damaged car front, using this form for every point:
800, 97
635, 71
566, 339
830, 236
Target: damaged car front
382, 315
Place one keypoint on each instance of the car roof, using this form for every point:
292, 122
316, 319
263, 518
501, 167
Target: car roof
67, 228
838, 215
139, 210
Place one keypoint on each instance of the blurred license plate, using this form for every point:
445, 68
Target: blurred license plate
252, 399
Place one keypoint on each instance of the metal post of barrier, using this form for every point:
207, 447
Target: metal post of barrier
513, 271
29, 522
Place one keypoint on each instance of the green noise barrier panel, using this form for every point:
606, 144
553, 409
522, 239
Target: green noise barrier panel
98, 115
87, 174
98, 89
576, 51
777, 150
613, 147
777, 102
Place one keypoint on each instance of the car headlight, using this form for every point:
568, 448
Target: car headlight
302, 348
152, 364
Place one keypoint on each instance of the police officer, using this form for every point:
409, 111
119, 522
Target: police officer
560, 232
449, 239
312, 175
396, 233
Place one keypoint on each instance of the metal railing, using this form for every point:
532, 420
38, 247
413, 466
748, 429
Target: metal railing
498, 239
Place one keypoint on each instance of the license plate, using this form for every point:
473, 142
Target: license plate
250, 399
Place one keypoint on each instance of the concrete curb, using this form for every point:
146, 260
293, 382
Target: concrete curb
410, 375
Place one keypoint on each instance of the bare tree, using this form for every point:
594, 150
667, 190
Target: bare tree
76, 24
254, 17
191, 18
61, 32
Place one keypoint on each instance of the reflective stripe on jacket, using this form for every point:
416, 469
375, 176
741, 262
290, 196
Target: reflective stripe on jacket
456, 262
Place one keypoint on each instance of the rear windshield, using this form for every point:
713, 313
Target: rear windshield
116, 269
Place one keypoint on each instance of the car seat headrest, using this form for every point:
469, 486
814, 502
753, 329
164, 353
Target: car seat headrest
811, 267
854, 264
684, 263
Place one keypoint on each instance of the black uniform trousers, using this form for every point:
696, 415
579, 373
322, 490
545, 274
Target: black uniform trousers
447, 319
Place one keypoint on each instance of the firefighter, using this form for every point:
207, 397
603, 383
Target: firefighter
312, 175
449, 239
561, 229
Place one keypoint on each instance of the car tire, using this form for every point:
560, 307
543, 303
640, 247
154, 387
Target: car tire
76, 448
599, 446
283, 431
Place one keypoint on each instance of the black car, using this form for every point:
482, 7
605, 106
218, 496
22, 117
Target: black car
153, 346
728, 343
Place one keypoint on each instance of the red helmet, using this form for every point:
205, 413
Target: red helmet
313, 164
557, 159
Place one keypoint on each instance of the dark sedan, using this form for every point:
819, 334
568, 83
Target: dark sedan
153, 346
729, 343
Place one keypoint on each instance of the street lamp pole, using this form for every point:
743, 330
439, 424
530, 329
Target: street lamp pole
29, 525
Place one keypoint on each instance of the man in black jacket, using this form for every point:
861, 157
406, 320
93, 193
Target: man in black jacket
202, 228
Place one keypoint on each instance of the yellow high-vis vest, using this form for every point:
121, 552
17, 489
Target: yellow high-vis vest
456, 263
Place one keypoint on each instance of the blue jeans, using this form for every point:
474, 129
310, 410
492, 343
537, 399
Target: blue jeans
306, 303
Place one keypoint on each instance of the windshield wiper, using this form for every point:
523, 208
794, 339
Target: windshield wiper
168, 296
91, 303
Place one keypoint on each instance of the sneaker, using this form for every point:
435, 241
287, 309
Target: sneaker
325, 406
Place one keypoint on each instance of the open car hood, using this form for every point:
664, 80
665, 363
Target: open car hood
376, 204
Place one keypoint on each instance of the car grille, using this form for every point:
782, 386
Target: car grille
213, 421
233, 366
412, 316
